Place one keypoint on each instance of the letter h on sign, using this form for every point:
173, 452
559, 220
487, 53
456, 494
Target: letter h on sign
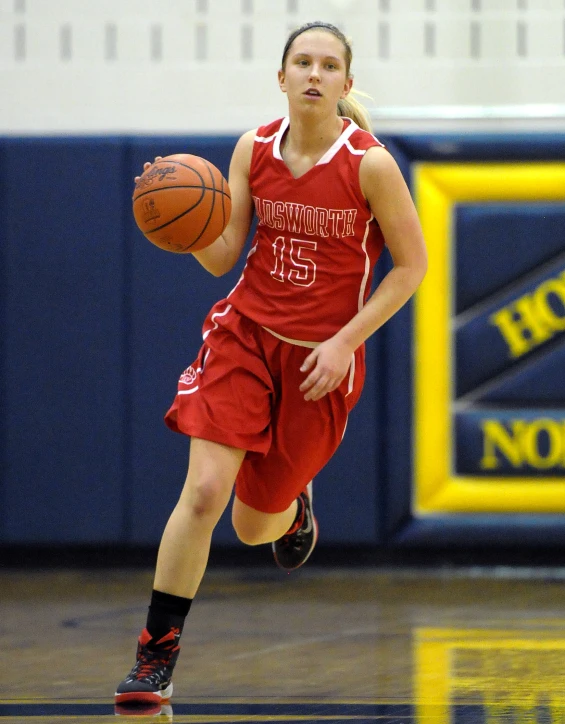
532, 319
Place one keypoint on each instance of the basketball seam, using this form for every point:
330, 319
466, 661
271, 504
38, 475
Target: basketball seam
184, 186
184, 213
223, 206
211, 206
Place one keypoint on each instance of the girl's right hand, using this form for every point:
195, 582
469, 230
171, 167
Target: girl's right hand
146, 166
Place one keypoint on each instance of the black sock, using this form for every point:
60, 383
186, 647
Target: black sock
166, 612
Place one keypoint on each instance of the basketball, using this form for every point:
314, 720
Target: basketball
182, 203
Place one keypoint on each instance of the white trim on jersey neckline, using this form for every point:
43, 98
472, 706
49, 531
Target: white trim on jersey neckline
278, 138
342, 140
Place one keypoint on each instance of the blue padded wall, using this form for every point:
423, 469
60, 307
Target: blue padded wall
62, 344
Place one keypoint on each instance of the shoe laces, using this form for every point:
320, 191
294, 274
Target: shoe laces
151, 659
148, 661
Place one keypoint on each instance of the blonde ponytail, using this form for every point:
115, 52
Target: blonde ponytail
351, 107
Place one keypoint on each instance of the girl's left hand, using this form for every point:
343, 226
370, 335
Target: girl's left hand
329, 364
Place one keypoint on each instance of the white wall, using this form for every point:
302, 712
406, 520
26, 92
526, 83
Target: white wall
210, 65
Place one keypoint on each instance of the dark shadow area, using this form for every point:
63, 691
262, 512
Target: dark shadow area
65, 556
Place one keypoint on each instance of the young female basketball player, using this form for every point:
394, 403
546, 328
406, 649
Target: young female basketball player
266, 401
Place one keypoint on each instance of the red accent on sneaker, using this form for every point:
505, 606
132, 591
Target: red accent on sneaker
145, 637
299, 518
172, 636
141, 698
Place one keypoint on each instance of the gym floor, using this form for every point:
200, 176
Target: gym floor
462, 645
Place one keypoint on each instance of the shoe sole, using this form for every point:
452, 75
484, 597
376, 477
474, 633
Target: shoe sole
144, 697
283, 568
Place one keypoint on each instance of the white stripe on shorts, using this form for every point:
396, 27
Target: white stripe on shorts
187, 392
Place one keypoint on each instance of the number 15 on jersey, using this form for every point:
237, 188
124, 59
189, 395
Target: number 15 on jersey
293, 261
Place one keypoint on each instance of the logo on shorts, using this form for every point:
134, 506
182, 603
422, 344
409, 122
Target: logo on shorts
188, 377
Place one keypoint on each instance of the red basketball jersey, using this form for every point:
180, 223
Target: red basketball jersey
310, 267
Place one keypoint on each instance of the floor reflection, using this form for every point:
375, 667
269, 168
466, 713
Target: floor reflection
490, 676
158, 713
333, 647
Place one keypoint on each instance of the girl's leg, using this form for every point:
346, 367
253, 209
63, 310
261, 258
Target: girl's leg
182, 559
185, 545
305, 435
253, 527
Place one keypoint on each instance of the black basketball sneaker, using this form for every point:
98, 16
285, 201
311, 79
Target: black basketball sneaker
296, 545
149, 682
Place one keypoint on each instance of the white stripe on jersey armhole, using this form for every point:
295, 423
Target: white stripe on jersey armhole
265, 139
367, 265
251, 251
351, 377
361, 151
213, 319
355, 151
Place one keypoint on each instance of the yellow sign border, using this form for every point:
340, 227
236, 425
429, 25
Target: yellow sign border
438, 186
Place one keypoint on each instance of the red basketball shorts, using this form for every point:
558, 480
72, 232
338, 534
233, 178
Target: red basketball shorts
243, 391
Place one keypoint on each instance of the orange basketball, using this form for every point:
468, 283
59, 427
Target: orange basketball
182, 203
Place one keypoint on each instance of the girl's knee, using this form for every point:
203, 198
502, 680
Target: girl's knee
207, 497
